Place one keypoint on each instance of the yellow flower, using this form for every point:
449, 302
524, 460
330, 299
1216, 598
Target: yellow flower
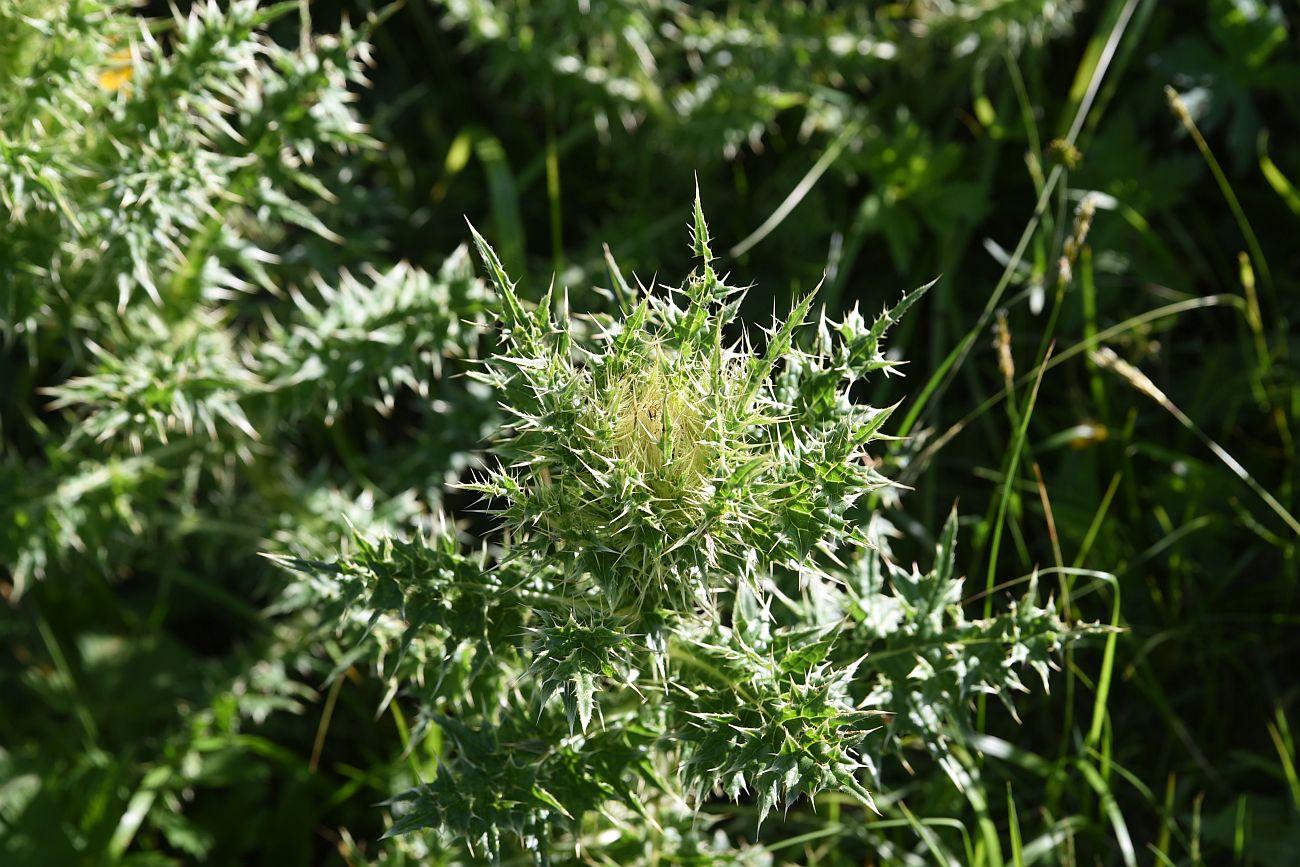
119, 73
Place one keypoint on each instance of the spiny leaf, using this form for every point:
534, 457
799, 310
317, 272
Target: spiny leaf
584, 690
778, 345
516, 317
700, 232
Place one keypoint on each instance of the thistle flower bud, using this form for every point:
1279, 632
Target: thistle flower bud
664, 463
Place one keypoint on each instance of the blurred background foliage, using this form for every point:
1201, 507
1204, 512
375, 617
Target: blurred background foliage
235, 306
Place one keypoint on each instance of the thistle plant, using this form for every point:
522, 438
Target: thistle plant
662, 464
164, 159
684, 602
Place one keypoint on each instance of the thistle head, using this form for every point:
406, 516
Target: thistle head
662, 459
660, 428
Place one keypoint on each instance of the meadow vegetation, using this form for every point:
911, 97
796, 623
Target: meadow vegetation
842, 433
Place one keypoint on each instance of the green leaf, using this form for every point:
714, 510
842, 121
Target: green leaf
584, 690
777, 346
